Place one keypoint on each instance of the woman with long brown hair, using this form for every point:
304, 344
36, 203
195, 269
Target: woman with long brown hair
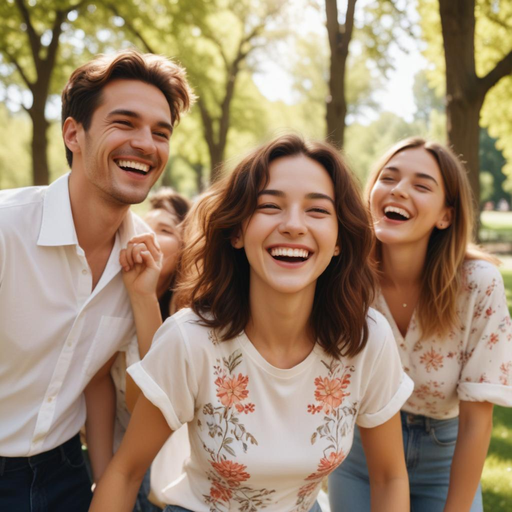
445, 301
278, 356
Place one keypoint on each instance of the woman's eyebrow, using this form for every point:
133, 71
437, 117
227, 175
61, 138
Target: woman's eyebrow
417, 174
280, 193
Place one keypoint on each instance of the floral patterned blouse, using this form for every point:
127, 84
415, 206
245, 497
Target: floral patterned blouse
474, 362
263, 437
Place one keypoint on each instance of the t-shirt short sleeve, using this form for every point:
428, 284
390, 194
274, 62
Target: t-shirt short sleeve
387, 387
166, 375
486, 374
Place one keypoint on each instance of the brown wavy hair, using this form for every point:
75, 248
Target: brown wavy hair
448, 248
214, 279
82, 93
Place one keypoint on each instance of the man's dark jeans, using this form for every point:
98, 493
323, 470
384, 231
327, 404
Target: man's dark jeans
53, 481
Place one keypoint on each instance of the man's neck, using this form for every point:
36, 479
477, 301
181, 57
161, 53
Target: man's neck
96, 223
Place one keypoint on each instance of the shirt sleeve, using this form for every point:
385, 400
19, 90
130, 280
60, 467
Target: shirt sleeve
486, 374
166, 375
387, 386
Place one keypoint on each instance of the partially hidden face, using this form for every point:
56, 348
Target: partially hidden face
168, 233
292, 236
126, 147
408, 199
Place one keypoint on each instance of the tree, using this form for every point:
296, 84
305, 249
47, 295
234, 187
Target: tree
466, 88
29, 44
379, 21
339, 36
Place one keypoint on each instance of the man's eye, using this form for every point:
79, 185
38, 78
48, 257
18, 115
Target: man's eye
162, 135
123, 122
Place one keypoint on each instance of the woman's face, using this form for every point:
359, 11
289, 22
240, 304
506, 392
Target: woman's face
168, 234
292, 235
408, 199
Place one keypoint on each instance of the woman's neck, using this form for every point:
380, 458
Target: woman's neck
402, 265
279, 326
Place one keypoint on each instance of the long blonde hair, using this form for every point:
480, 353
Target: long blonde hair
448, 248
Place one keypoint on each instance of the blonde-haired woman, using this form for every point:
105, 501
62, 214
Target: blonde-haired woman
446, 304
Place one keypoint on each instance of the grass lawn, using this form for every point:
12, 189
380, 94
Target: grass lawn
496, 226
497, 475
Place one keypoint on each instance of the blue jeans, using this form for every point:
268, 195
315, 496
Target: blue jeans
53, 481
429, 445
175, 508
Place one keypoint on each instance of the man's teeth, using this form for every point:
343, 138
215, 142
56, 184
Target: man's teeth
394, 209
289, 252
139, 166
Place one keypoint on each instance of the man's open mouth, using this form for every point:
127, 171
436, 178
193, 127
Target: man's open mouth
395, 213
289, 254
133, 166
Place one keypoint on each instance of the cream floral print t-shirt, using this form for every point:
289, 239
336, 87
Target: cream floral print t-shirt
473, 362
263, 437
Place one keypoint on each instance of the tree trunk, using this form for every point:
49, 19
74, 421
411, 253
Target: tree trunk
216, 158
463, 128
464, 98
339, 40
40, 170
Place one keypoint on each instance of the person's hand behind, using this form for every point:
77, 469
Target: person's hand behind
141, 262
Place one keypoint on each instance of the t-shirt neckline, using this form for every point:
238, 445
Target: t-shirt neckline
283, 373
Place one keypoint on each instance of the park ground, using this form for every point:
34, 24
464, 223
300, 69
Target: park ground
497, 475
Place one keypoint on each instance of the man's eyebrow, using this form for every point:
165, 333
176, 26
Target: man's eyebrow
417, 174
135, 115
280, 193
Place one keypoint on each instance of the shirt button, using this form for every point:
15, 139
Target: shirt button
84, 272
50, 398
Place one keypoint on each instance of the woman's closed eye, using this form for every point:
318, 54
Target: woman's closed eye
269, 206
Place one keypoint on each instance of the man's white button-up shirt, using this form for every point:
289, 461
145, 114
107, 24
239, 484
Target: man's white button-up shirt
55, 332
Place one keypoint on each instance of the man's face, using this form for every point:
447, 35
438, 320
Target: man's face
126, 147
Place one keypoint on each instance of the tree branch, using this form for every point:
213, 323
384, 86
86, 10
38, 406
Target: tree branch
24, 77
207, 123
33, 37
502, 68
132, 29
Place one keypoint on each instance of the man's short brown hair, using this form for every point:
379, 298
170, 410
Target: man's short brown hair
82, 94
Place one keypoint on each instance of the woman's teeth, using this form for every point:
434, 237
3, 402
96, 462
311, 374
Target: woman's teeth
289, 252
395, 213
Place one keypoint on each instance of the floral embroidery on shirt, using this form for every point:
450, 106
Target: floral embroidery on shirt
432, 360
506, 373
338, 418
223, 422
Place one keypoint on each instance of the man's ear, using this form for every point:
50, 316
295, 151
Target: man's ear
237, 240
70, 131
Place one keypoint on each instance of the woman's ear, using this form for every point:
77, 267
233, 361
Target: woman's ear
446, 220
237, 240
336, 251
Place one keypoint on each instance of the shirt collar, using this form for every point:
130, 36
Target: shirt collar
57, 227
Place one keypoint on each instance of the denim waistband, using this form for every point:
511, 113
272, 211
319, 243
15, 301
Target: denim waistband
409, 419
12, 463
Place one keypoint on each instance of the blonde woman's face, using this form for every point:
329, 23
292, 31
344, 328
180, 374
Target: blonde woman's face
168, 234
408, 199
